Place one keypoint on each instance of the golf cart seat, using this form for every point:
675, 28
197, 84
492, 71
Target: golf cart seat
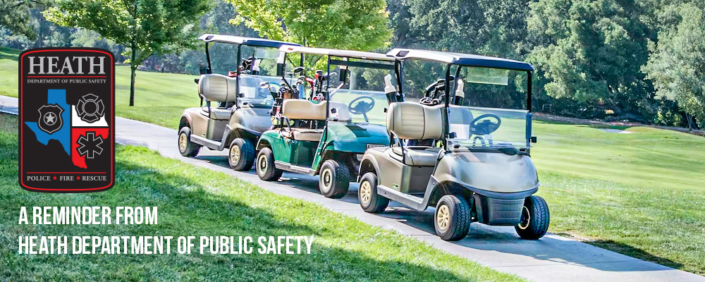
413, 121
217, 88
302, 134
307, 110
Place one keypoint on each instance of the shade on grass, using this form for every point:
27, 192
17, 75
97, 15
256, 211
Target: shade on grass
193, 201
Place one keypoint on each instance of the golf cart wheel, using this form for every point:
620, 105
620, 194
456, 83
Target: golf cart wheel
534, 219
370, 201
241, 155
265, 166
186, 147
334, 179
452, 218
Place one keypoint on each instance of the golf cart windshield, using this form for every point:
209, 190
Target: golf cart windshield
258, 76
257, 71
488, 128
362, 92
487, 109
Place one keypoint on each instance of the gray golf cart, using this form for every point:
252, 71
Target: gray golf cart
236, 98
475, 165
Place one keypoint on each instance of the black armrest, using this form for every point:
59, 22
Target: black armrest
401, 144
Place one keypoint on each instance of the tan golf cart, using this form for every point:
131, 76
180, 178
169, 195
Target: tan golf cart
236, 98
471, 163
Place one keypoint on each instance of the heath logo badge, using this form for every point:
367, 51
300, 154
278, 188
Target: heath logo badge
67, 119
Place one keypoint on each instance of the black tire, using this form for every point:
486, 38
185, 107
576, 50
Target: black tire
536, 225
241, 154
265, 166
334, 179
370, 201
457, 212
186, 147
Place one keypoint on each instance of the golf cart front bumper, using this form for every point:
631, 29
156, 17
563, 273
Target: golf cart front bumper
504, 209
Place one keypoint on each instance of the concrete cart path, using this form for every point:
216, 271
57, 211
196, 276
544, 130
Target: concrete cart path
553, 258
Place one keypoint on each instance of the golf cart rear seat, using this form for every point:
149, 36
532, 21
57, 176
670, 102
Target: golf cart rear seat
306, 110
414, 121
217, 88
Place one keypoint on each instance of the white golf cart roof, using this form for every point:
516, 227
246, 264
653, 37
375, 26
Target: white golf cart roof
336, 53
250, 41
459, 59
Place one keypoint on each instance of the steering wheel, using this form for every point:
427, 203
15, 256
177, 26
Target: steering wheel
480, 127
360, 106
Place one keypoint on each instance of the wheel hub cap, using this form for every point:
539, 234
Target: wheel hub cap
443, 217
234, 154
326, 180
182, 142
262, 165
365, 192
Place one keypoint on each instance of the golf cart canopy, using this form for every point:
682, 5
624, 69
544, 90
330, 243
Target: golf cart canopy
336, 53
460, 59
258, 42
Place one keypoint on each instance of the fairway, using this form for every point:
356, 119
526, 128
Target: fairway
638, 191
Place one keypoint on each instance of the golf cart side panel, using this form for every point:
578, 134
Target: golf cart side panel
497, 172
354, 138
197, 120
249, 122
272, 139
397, 176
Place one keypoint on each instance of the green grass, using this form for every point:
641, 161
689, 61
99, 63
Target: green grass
641, 194
196, 201
8, 71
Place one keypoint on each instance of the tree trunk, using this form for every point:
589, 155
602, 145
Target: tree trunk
133, 69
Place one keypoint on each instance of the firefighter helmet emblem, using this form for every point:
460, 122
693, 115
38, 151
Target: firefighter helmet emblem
90, 108
50, 120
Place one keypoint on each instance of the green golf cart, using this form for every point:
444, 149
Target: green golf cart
327, 132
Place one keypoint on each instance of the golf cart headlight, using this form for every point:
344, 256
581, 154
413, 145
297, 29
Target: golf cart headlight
359, 157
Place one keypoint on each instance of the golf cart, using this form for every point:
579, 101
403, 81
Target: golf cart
475, 164
237, 97
326, 133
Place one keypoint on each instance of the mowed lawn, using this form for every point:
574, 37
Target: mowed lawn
198, 202
641, 194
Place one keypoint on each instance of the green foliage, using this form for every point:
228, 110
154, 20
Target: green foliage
591, 51
486, 27
16, 16
677, 62
146, 26
153, 26
355, 25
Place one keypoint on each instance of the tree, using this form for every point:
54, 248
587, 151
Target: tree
592, 50
146, 27
677, 62
15, 15
486, 27
356, 25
